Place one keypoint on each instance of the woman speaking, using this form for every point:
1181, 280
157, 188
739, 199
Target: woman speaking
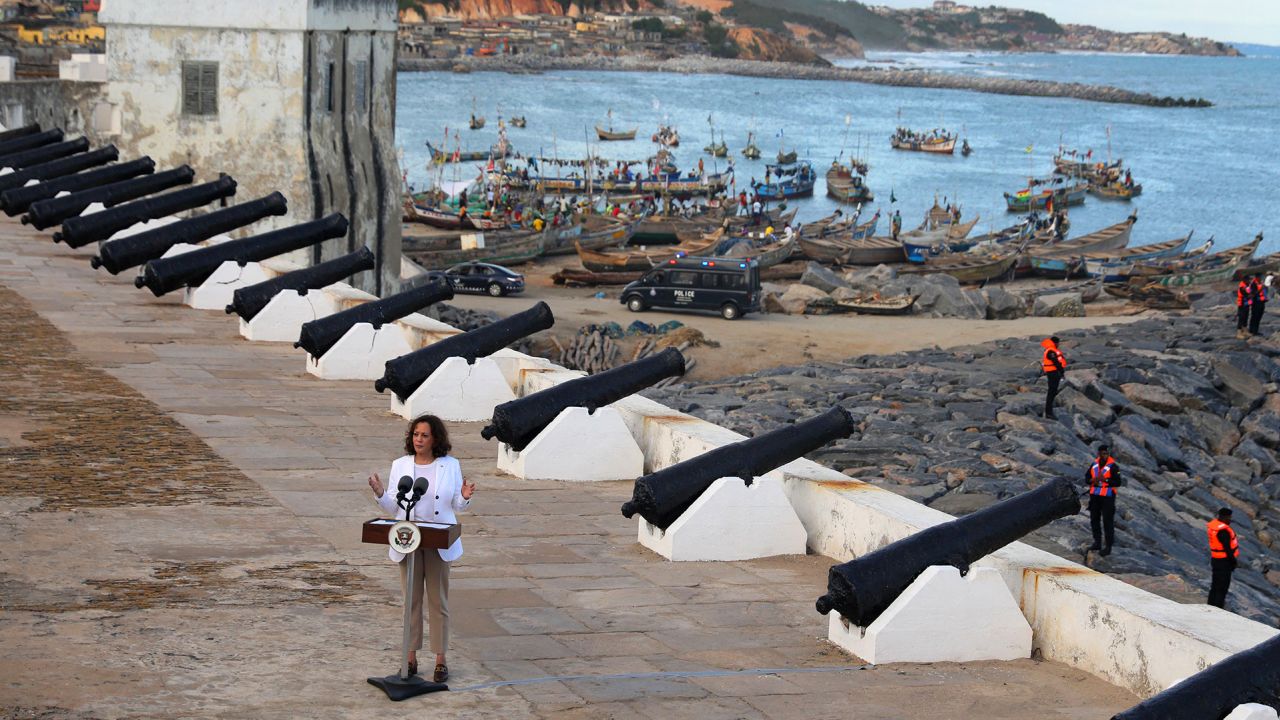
427, 447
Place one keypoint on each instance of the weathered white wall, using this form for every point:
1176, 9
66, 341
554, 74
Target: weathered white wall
1130, 637
274, 129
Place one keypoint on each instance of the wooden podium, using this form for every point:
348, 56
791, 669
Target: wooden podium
434, 535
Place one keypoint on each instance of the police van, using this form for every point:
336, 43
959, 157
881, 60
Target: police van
730, 286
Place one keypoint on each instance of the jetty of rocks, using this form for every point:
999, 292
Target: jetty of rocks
701, 64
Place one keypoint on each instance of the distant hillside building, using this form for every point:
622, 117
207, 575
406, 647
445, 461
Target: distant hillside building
289, 95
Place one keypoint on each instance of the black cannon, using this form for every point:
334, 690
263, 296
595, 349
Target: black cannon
1249, 676
19, 200
863, 588
192, 268
27, 140
80, 231
135, 250
58, 167
43, 154
25, 130
47, 213
405, 373
662, 497
247, 302
519, 421
319, 335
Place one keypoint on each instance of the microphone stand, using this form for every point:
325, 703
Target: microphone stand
404, 686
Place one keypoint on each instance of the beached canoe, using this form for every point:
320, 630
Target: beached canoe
898, 305
503, 248
965, 267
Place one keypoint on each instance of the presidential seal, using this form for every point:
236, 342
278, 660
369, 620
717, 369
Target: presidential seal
404, 537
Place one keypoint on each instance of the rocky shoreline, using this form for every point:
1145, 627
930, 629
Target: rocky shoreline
700, 64
1191, 413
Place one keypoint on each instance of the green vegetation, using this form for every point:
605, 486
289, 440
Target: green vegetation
704, 17
747, 12
872, 30
649, 24
718, 42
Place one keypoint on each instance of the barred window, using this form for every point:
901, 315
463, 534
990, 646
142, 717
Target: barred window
328, 88
362, 84
199, 88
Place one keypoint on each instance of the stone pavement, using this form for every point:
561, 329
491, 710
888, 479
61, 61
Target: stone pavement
179, 537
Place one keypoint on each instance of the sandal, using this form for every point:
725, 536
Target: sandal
441, 673
413, 668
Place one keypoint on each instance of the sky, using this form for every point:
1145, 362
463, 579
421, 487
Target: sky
1232, 21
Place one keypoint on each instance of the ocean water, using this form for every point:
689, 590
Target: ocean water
1212, 170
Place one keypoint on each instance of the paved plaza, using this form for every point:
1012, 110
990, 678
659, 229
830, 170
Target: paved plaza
180, 518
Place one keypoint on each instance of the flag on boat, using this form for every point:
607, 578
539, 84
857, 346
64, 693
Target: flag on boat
1030, 148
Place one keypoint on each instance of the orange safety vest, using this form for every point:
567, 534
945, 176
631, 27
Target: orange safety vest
1260, 292
1216, 551
1242, 293
1047, 365
1100, 478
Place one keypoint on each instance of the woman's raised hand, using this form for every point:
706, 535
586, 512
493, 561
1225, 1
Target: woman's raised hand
376, 484
467, 489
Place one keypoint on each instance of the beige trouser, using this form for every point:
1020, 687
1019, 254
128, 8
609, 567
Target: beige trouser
433, 572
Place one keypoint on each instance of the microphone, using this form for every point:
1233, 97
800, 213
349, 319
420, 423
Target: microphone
403, 487
420, 487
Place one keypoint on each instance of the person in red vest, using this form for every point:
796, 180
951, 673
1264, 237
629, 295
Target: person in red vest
1258, 304
1243, 299
1224, 552
1103, 477
1054, 367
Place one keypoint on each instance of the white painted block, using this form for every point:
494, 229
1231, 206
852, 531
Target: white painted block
577, 446
457, 391
942, 617
282, 318
215, 292
91, 208
1253, 711
731, 521
361, 354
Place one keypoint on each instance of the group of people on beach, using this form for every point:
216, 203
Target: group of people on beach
1251, 303
1103, 477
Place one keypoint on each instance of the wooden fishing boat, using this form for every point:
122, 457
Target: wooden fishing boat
967, 268
766, 255
593, 232
1219, 267
1025, 200
497, 151
677, 185
751, 151
503, 247
846, 186
792, 180
519, 121
1189, 260
1089, 291
571, 277
669, 229
1115, 191
873, 251
945, 145
610, 135
835, 246
786, 158
1152, 295
1113, 265
667, 136
476, 122
625, 260
435, 217
898, 305
1062, 258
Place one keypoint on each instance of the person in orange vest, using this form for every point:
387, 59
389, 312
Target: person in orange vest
1243, 299
1103, 477
1054, 367
1259, 304
1224, 552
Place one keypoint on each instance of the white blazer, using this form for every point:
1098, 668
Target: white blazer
443, 497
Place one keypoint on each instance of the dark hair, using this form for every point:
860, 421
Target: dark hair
1224, 514
439, 435
1055, 339
1103, 448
